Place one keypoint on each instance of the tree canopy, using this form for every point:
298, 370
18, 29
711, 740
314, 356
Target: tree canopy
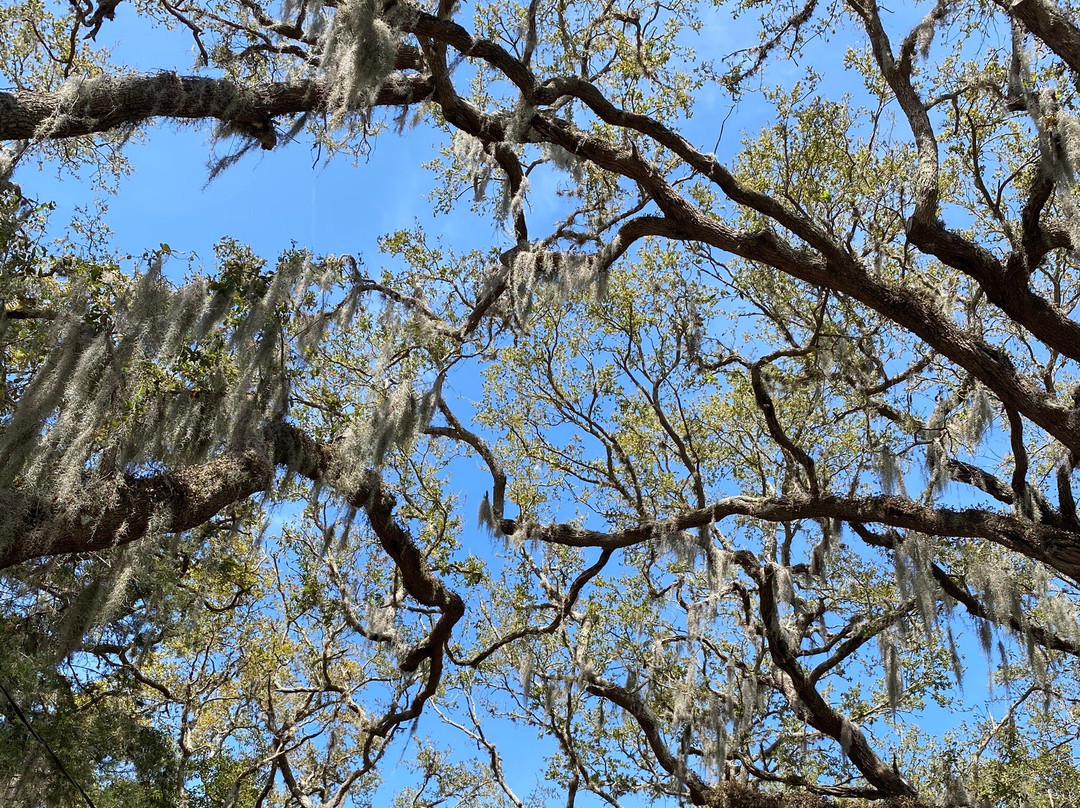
744, 423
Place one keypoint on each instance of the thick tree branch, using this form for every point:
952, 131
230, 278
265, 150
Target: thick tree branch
27, 314
95, 106
1008, 290
729, 794
1054, 546
1051, 24
701, 793
119, 511
805, 699
834, 269
422, 584
955, 588
776, 431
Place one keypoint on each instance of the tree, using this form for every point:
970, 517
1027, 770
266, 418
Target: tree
768, 443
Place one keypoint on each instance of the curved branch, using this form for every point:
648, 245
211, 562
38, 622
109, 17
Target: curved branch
569, 601
768, 410
1052, 545
1005, 288
805, 699
456, 431
701, 793
1051, 24
832, 268
1041, 636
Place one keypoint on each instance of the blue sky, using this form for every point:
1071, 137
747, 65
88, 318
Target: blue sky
268, 201
272, 200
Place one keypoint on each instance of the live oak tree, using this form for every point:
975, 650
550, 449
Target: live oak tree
767, 446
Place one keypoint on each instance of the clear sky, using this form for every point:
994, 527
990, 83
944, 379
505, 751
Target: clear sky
273, 200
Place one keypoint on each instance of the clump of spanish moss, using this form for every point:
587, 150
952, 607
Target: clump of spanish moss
358, 55
167, 375
565, 161
474, 159
938, 445
556, 274
1058, 131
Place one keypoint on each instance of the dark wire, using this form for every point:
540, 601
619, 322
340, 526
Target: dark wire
59, 763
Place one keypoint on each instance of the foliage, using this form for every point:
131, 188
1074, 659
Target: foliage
707, 487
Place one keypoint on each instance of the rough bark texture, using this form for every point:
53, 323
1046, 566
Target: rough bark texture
1050, 23
107, 104
117, 511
